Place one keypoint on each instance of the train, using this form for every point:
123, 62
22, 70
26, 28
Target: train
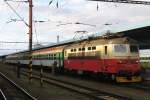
115, 57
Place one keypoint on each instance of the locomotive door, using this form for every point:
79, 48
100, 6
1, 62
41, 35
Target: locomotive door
105, 57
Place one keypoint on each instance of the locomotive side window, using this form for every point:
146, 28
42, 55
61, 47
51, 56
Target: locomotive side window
120, 48
74, 50
105, 50
71, 50
93, 48
79, 49
133, 48
89, 48
83, 49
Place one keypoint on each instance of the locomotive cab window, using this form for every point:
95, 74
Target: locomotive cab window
120, 48
133, 48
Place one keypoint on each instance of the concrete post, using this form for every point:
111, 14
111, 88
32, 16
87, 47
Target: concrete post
41, 76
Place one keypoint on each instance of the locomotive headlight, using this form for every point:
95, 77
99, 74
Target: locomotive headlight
137, 61
120, 61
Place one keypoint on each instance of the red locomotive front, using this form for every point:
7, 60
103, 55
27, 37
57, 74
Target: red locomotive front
117, 58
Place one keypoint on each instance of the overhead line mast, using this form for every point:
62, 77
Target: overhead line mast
30, 40
125, 1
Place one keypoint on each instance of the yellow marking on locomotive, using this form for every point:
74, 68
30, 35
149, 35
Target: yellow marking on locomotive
132, 79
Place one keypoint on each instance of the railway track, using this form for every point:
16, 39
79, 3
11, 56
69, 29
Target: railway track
12, 91
89, 92
139, 86
46, 76
2, 96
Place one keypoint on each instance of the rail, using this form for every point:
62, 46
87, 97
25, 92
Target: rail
2, 96
17, 86
89, 92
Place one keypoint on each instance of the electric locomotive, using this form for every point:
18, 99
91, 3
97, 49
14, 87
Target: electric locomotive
117, 58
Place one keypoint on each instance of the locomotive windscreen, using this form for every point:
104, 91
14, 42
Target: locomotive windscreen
120, 48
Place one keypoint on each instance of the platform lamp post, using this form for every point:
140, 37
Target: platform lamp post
30, 40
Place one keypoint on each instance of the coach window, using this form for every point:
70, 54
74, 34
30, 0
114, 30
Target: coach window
54, 56
49, 56
41, 56
89, 48
105, 50
65, 53
38, 56
46, 56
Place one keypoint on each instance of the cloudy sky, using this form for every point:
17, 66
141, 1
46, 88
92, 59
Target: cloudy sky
118, 16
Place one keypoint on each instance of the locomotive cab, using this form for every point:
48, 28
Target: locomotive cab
127, 65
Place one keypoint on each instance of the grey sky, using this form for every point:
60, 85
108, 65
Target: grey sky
121, 16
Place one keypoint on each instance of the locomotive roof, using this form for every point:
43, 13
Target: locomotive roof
104, 41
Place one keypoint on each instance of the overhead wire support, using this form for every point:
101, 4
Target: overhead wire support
30, 40
20, 42
26, 1
124, 1
16, 12
12, 49
77, 23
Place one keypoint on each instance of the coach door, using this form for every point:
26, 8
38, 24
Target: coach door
59, 60
105, 57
